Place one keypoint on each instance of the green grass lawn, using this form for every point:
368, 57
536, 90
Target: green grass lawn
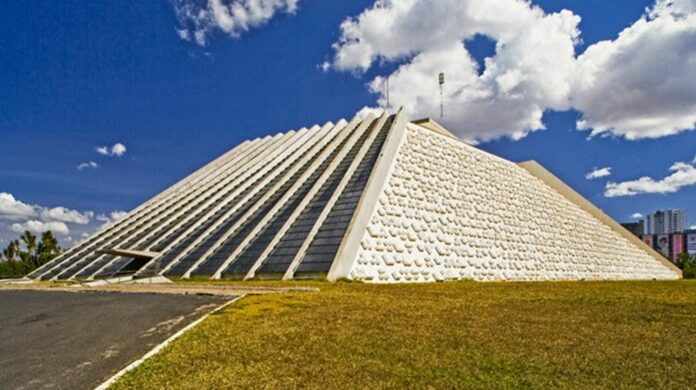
445, 335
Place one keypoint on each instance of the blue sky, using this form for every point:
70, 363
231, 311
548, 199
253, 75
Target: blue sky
78, 75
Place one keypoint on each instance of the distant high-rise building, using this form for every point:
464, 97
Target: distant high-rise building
666, 221
637, 228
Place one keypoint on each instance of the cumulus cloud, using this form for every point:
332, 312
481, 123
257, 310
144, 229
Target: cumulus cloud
366, 111
111, 217
86, 165
233, 17
530, 72
63, 214
683, 175
598, 172
116, 150
643, 84
68, 223
118, 215
36, 226
13, 209
674, 7
637, 216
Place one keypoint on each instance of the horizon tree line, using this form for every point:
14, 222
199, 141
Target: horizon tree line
27, 253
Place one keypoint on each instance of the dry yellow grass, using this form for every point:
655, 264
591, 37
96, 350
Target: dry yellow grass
445, 335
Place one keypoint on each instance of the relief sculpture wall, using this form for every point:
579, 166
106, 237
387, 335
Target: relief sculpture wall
451, 211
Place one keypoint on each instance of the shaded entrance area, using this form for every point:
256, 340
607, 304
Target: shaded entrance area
125, 262
77, 340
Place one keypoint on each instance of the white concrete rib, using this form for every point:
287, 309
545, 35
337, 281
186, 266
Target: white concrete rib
308, 197
327, 133
44, 268
347, 250
285, 159
155, 210
335, 142
203, 191
217, 190
137, 213
255, 168
289, 273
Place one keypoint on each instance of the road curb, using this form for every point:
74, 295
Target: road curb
105, 385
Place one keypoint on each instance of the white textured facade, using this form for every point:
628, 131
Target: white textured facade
375, 199
450, 211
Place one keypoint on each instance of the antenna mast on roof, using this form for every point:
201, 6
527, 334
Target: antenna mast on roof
441, 81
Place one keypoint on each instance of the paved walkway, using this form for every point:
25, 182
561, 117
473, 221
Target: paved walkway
218, 290
69, 340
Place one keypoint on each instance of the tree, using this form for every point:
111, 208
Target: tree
688, 265
47, 249
19, 262
12, 251
30, 243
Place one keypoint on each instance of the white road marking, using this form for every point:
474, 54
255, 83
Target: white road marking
161, 346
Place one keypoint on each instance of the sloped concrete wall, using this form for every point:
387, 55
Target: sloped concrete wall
451, 211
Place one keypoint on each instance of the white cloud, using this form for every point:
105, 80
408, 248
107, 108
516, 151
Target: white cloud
598, 172
111, 217
118, 215
683, 175
35, 226
61, 214
530, 72
91, 165
643, 84
693, 227
674, 7
198, 20
183, 34
13, 209
365, 111
637, 216
118, 149
68, 223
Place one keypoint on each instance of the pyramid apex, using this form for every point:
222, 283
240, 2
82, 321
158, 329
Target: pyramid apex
430, 124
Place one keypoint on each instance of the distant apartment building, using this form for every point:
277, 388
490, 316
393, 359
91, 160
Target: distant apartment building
666, 222
637, 228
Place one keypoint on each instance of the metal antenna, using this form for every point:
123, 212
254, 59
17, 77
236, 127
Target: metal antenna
441, 81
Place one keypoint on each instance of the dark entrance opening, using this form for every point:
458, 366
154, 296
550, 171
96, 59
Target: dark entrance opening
134, 266
127, 267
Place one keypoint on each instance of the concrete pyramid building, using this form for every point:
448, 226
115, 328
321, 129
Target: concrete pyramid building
376, 199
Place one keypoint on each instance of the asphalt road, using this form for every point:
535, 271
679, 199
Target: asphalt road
66, 340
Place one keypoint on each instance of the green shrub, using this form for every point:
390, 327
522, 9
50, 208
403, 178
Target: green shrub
688, 265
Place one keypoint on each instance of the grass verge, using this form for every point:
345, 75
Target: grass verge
445, 335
